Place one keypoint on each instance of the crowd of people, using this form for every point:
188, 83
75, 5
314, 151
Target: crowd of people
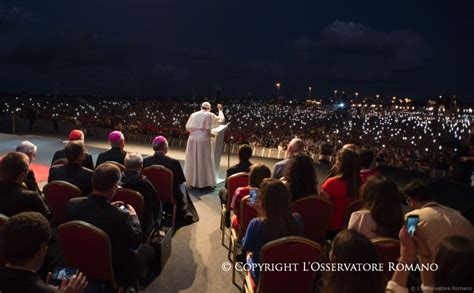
31, 216
412, 137
384, 206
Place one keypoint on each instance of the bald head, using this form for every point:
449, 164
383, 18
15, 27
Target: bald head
296, 145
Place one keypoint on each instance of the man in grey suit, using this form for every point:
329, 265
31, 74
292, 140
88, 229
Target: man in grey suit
296, 145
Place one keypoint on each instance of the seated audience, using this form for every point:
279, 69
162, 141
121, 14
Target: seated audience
277, 221
24, 243
14, 198
116, 152
75, 135
436, 221
454, 260
30, 150
258, 173
73, 172
133, 178
367, 165
300, 177
342, 188
160, 146
129, 257
382, 214
351, 247
245, 153
295, 146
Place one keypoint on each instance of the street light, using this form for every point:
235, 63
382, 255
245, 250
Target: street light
357, 96
309, 91
278, 89
377, 96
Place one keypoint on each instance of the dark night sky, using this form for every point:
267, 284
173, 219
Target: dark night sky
183, 47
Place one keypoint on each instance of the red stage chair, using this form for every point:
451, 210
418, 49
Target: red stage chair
57, 195
388, 250
235, 181
92, 255
316, 213
353, 206
162, 179
131, 197
247, 213
121, 167
59, 162
292, 249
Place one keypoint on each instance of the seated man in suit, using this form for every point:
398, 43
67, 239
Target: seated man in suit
29, 149
75, 135
116, 153
73, 172
24, 240
296, 145
129, 257
14, 198
133, 178
245, 153
160, 146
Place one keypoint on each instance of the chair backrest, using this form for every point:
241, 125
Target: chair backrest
57, 195
131, 197
388, 250
91, 255
59, 162
121, 167
3, 219
353, 206
247, 213
235, 181
162, 179
316, 213
289, 250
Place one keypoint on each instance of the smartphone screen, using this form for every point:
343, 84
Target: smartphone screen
412, 224
253, 195
59, 274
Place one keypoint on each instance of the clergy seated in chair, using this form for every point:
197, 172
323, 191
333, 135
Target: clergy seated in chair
74, 135
73, 172
116, 152
130, 257
24, 240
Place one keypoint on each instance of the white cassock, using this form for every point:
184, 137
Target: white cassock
199, 162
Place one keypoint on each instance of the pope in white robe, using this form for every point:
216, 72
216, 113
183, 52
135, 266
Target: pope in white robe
199, 163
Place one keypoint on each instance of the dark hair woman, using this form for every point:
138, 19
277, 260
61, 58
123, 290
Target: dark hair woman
277, 220
382, 214
342, 188
351, 247
300, 176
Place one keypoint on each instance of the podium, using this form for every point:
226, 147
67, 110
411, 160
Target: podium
217, 147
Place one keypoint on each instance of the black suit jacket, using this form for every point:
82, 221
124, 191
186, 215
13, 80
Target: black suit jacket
31, 183
14, 199
114, 154
322, 171
152, 209
124, 231
88, 163
74, 174
240, 167
174, 166
14, 280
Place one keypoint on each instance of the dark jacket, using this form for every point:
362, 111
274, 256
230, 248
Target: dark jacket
279, 169
152, 208
74, 174
124, 231
14, 280
114, 154
88, 163
31, 183
174, 166
240, 167
322, 168
14, 199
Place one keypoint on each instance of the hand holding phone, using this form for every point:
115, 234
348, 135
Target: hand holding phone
253, 195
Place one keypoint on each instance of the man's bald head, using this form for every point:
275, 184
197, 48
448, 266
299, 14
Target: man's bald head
296, 145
